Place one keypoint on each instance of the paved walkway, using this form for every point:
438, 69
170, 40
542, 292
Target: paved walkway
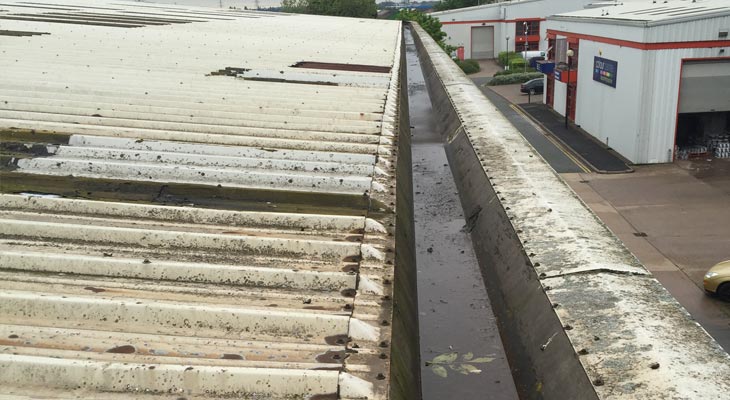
548, 149
675, 223
589, 150
674, 218
488, 69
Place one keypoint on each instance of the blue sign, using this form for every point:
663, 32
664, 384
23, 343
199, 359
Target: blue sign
557, 75
546, 67
604, 71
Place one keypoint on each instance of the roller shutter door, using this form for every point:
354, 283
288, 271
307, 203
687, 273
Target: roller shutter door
482, 42
705, 86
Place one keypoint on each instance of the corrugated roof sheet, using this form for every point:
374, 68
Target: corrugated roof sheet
652, 12
221, 224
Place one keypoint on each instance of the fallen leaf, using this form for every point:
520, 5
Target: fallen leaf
439, 370
446, 358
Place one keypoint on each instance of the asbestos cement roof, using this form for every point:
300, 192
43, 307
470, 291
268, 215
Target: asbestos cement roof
184, 212
651, 13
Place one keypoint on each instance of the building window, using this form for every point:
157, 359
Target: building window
527, 35
527, 28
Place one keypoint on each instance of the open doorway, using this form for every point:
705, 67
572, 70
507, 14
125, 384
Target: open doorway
703, 120
703, 135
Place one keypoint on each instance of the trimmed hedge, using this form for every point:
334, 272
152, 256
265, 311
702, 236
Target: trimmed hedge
513, 71
505, 56
468, 66
514, 78
517, 63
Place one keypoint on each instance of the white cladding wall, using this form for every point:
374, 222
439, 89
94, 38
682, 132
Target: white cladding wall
460, 34
660, 90
639, 116
612, 115
597, 28
701, 29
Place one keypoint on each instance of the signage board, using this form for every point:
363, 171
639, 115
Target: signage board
557, 75
604, 71
546, 67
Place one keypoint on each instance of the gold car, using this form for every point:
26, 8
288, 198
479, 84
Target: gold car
717, 280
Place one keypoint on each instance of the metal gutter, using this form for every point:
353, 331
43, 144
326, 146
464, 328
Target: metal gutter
581, 318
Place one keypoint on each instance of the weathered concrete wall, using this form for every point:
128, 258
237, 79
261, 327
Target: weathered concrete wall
581, 318
405, 353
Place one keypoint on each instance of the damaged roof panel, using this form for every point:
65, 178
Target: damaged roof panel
167, 230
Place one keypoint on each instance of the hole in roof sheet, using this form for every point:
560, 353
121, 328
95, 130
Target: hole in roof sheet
68, 21
113, 18
229, 71
21, 33
67, 5
342, 67
298, 81
39, 7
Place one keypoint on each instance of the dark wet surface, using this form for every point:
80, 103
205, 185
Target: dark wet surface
712, 171
456, 321
592, 152
182, 194
553, 155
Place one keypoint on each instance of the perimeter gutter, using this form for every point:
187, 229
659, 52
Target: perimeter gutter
580, 317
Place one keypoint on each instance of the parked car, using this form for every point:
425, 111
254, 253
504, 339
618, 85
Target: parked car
717, 280
532, 86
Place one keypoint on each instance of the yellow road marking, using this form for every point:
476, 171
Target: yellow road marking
552, 140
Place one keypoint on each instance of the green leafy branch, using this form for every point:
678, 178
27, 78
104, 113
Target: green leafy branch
465, 366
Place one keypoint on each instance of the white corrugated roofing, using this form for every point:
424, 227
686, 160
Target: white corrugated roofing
277, 285
650, 13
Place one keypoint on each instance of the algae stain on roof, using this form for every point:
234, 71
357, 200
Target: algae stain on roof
216, 236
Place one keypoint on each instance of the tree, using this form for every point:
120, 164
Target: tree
430, 24
340, 8
294, 6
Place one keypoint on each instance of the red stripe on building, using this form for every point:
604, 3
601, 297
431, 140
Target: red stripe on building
551, 33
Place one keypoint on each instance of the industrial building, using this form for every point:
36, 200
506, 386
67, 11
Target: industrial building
214, 204
201, 203
650, 80
484, 31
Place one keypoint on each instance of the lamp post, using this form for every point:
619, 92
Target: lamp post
506, 55
569, 53
524, 25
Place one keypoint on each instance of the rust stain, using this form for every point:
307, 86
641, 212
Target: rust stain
125, 349
336, 357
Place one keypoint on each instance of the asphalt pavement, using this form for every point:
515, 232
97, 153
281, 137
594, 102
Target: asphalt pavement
538, 138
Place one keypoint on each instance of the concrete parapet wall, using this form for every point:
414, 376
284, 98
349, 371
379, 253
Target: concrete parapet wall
580, 316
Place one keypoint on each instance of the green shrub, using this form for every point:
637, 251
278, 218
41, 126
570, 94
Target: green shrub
468, 66
517, 64
513, 71
514, 78
505, 57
